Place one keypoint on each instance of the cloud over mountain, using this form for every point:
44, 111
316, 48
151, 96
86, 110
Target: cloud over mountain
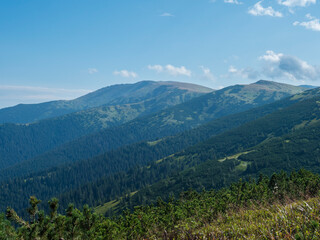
207, 74
172, 70
279, 65
125, 73
247, 72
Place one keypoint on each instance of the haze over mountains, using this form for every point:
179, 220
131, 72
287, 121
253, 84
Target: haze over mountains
155, 131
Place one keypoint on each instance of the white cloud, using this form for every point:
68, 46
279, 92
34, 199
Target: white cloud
232, 69
233, 2
206, 74
308, 15
157, 68
247, 73
313, 24
279, 65
271, 56
166, 14
296, 3
126, 74
175, 71
92, 70
259, 10
170, 69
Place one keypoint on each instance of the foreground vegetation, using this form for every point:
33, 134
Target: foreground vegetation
280, 207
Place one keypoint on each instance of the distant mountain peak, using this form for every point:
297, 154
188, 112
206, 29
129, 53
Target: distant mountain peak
272, 86
265, 82
187, 86
273, 83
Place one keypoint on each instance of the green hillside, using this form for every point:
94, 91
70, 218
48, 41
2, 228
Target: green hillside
281, 136
20, 142
225, 161
280, 207
164, 123
213, 163
52, 182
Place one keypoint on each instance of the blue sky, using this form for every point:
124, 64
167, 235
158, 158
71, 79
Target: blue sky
60, 49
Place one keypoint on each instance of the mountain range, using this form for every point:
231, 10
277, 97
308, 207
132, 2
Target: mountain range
162, 148
20, 142
109, 96
48, 143
222, 159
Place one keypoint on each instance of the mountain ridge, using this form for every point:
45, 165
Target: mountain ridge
167, 122
19, 142
220, 155
140, 153
111, 95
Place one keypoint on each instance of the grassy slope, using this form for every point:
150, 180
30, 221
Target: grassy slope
295, 220
281, 207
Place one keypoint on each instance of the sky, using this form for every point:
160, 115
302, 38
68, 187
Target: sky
62, 49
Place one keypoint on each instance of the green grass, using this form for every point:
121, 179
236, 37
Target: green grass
153, 143
109, 205
106, 207
297, 220
235, 157
242, 166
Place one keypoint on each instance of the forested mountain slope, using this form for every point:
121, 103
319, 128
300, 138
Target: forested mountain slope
113, 95
171, 121
46, 184
299, 148
23, 141
283, 206
213, 163
298, 109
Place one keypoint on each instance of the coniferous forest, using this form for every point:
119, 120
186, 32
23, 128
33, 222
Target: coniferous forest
283, 206
159, 120
236, 163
